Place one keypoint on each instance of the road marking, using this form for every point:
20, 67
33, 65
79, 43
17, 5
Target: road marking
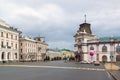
109, 76
55, 67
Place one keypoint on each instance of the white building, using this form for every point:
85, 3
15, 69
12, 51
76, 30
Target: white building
32, 49
92, 48
9, 41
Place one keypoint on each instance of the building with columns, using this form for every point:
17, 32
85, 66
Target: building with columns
9, 42
32, 49
92, 48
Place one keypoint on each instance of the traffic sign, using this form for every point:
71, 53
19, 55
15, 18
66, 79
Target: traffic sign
111, 55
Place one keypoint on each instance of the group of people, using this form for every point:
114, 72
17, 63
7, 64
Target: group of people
67, 58
76, 58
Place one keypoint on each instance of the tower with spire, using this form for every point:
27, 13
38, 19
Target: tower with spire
85, 26
81, 39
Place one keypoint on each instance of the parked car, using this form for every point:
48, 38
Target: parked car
85, 62
96, 63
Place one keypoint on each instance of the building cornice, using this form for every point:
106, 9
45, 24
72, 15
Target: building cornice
34, 41
10, 29
107, 42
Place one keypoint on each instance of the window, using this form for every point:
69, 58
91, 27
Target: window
7, 35
7, 44
16, 55
11, 36
16, 46
11, 44
104, 48
1, 34
118, 49
21, 50
15, 37
8, 56
21, 44
91, 48
2, 44
21, 56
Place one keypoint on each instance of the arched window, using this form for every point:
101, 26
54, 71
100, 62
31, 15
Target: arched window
104, 48
91, 48
118, 49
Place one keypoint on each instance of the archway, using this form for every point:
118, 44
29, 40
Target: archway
104, 58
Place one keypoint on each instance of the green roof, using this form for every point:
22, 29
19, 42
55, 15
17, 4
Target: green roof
65, 50
103, 39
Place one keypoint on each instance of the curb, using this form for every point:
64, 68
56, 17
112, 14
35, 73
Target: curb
115, 77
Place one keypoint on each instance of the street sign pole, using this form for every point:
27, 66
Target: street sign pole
111, 58
111, 62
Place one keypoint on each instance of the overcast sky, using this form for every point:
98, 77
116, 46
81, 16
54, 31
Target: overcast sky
58, 20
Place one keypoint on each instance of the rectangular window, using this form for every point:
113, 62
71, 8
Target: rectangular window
1, 34
15, 37
11, 36
7, 44
11, 44
21, 50
2, 44
16, 46
7, 35
21, 44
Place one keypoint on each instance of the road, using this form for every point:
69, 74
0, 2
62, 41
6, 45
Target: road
56, 70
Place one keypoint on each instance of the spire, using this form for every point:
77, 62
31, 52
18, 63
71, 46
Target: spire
85, 26
85, 18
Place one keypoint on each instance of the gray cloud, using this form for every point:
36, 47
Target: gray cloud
58, 20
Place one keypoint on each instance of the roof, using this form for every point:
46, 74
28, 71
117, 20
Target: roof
3, 23
65, 50
104, 39
54, 50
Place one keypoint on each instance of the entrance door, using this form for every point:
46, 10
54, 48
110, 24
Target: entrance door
104, 58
